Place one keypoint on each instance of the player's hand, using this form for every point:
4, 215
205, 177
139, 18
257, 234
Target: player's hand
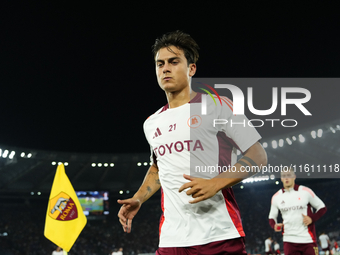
128, 210
278, 227
200, 189
307, 220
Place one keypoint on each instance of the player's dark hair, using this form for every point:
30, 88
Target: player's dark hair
180, 40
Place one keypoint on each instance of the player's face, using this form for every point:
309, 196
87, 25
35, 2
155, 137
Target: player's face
172, 69
288, 179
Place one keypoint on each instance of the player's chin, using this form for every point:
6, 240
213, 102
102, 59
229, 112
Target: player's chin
169, 88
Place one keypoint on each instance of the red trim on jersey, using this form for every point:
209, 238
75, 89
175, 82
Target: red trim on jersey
197, 98
165, 107
309, 191
318, 214
233, 209
225, 148
161, 220
311, 227
274, 196
272, 223
296, 188
228, 103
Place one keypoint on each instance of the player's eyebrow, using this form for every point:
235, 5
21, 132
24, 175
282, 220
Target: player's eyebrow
169, 59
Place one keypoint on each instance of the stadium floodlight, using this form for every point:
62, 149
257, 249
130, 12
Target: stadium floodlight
145, 163
29, 155
11, 155
39, 193
106, 164
338, 127
274, 144
59, 163
301, 138
112, 165
139, 164
251, 179
54, 163
289, 141
99, 164
0, 152
320, 131
281, 142
265, 145
332, 129
66, 164
277, 182
313, 134
241, 187
22, 154
150, 163
128, 191
272, 177
93, 164
121, 192
5, 154
294, 138
32, 193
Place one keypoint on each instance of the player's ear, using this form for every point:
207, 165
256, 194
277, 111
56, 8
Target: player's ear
192, 69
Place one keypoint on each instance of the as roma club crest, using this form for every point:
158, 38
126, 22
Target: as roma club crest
62, 208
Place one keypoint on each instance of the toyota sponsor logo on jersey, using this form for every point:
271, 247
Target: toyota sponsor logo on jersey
292, 208
62, 208
179, 146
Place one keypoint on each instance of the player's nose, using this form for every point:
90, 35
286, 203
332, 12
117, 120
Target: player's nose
166, 68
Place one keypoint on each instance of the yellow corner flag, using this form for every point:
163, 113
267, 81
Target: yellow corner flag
64, 217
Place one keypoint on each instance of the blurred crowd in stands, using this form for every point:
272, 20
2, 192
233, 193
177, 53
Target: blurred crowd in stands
22, 224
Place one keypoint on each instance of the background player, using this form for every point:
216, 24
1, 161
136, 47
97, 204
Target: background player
325, 244
213, 225
58, 251
268, 246
294, 202
277, 248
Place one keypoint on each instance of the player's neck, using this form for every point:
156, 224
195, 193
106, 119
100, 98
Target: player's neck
290, 187
179, 98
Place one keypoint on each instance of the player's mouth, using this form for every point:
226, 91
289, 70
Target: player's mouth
167, 78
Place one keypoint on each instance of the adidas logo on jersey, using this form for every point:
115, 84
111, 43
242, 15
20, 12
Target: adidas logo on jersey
157, 133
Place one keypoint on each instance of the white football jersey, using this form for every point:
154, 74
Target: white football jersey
324, 241
185, 141
292, 204
267, 245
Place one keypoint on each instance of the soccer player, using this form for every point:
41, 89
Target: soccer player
58, 251
295, 202
325, 243
200, 215
277, 248
268, 246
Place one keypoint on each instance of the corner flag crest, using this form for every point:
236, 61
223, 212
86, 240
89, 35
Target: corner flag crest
62, 207
65, 218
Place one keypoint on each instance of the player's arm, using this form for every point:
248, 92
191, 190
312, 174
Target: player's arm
202, 189
150, 185
250, 164
317, 204
273, 213
131, 206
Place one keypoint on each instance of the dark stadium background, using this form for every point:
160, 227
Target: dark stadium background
78, 81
